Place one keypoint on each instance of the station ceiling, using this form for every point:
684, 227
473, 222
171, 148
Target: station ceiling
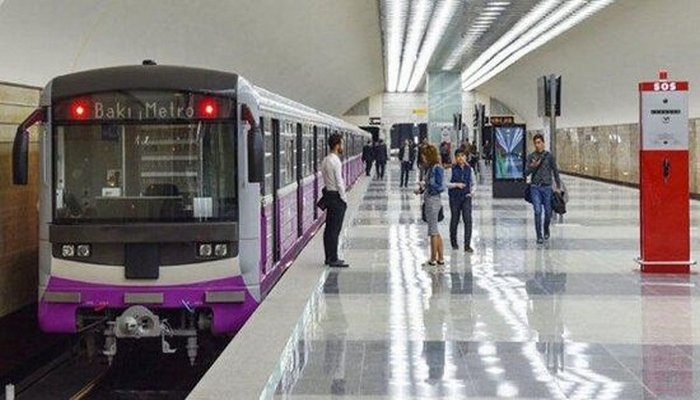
477, 38
326, 54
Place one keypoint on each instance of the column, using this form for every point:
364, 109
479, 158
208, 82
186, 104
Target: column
444, 100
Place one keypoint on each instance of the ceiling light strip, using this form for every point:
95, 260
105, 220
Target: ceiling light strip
537, 13
476, 29
418, 22
592, 8
394, 21
547, 23
438, 25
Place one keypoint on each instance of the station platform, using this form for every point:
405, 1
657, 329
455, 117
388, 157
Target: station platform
573, 319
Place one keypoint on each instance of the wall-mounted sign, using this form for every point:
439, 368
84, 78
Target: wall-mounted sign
420, 111
497, 120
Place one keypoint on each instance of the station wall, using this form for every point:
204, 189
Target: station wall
18, 205
611, 152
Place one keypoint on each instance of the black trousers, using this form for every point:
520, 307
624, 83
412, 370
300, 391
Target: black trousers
368, 167
405, 171
335, 213
380, 169
461, 206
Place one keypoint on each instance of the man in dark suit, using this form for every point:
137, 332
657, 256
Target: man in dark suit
368, 157
407, 155
380, 156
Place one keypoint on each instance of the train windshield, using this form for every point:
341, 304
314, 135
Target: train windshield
110, 171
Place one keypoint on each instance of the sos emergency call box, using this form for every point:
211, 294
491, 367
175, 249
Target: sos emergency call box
663, 177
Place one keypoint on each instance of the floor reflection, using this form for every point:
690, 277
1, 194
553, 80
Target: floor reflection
667, 353
567, 321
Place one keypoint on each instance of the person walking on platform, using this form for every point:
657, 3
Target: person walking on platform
380, 156
432, 187
542, 166
368, 157
461, 188
407, 155
487, 152
334, 200
421, 166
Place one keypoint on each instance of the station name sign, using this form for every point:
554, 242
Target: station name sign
147, 110
143, 106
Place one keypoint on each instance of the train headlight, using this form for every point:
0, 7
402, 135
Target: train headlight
205, 250
68, 250
221, 250
83, 250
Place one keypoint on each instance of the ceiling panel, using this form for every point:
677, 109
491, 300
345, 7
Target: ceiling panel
479, 38
326, 54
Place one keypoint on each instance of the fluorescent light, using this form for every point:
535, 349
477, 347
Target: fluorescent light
544, 25
588, 10
394, 21
438, 25
418, 22
523, 25
479, 27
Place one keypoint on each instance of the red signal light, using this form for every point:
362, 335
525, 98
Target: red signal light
80, 109
208, 108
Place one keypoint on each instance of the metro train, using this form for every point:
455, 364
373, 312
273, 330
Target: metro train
171, 199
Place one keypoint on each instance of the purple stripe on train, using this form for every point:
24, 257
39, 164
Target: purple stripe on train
61, 317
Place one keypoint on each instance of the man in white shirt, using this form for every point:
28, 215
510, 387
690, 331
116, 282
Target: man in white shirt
334, 199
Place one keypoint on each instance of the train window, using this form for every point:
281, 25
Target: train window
302, 146
269, 153
309, 157
290, 156
145, 172
320, 146
282, 156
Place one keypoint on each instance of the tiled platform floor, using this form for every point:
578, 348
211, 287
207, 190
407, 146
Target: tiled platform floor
570, 320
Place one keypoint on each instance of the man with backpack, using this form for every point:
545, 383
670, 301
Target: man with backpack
542, 166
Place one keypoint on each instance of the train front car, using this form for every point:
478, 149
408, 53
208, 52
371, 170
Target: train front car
145, 183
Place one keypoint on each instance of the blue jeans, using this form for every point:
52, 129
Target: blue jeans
542, 201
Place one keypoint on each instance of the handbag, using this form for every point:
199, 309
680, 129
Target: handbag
322, 202
526, 194
558, 203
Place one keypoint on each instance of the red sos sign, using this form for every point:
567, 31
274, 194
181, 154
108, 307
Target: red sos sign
665, 86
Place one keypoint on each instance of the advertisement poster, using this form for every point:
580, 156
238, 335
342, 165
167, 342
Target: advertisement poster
509, 154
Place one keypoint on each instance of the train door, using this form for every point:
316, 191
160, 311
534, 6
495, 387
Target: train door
314, 146
346, 165
300, 180
275, 226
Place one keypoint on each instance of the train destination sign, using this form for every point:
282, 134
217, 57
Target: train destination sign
143, 106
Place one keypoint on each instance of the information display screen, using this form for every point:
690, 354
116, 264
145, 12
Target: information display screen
509, 152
